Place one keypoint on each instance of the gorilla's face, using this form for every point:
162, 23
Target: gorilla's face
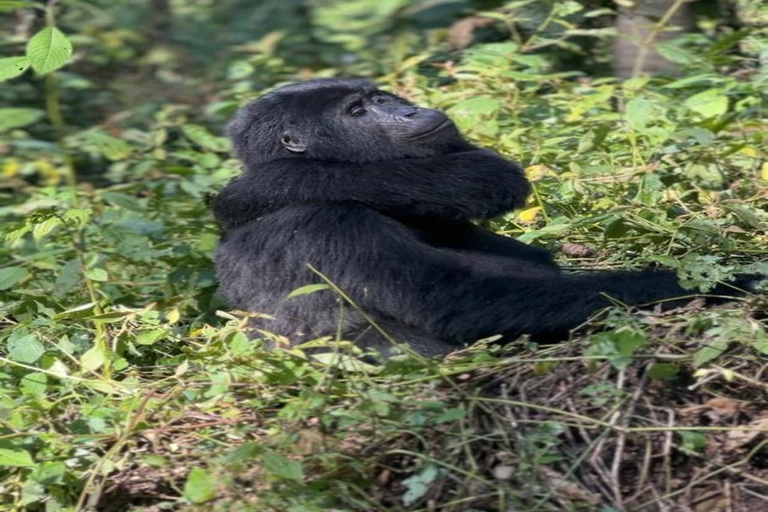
340, 120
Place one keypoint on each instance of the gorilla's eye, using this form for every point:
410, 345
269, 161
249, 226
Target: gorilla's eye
378, 100
357, 110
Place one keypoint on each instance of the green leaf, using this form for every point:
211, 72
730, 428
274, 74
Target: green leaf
126, 201
200, 486
481, 105
713, 350
92, 359
12, 118
45, 227
24, 348
675, 54
11, 67
305, 290
281, 467
242, 453
709, 103
49, 50
11, 275
34, 384
150, 337
639, 112
418, 485
96, 274
664, 371
110, 147
205, 139
15, 458
69, 275
12, 5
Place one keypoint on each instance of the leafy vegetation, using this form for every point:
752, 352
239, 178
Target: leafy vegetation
126, 385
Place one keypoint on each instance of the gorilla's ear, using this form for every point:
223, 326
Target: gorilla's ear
291, 144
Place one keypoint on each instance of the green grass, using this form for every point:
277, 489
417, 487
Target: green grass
126, 385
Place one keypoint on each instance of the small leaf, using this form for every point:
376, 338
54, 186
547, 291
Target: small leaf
529, 215
150, 337
96, 274
418, 485
281, 467
305, 290
200, 486
49, 50
110, 147
203, 138
664, 371
11, 275
242, 453
11, 67
15, 458
45, 227
477, 106
92, 359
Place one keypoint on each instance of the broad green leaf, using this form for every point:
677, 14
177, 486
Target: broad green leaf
709, 103
639, 112
12, 118
15, 458
282, 467
34, 384
11, 67
150, 337
69, 275
200, 486
25, 348
481, 105
11, 275
242, 453
676, 54
305, 290
49, 50
92, 359
712, 350
45, 227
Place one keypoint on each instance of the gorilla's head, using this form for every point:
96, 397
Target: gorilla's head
340, 120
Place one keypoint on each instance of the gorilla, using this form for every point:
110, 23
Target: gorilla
349, 184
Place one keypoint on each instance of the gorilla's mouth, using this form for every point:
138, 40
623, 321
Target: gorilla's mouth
429, 131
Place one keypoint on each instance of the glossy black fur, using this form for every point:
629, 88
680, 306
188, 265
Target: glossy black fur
389, 224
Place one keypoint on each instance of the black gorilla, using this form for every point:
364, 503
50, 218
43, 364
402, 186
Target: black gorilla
377, 195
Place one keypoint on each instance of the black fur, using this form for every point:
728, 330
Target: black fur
385, 215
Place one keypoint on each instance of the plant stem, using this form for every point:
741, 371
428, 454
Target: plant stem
645, 45
53, 109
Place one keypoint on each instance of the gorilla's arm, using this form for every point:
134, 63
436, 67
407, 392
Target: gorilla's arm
461, 186
465, 236
389, 271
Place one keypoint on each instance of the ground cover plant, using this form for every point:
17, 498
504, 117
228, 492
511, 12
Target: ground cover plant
125, 384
